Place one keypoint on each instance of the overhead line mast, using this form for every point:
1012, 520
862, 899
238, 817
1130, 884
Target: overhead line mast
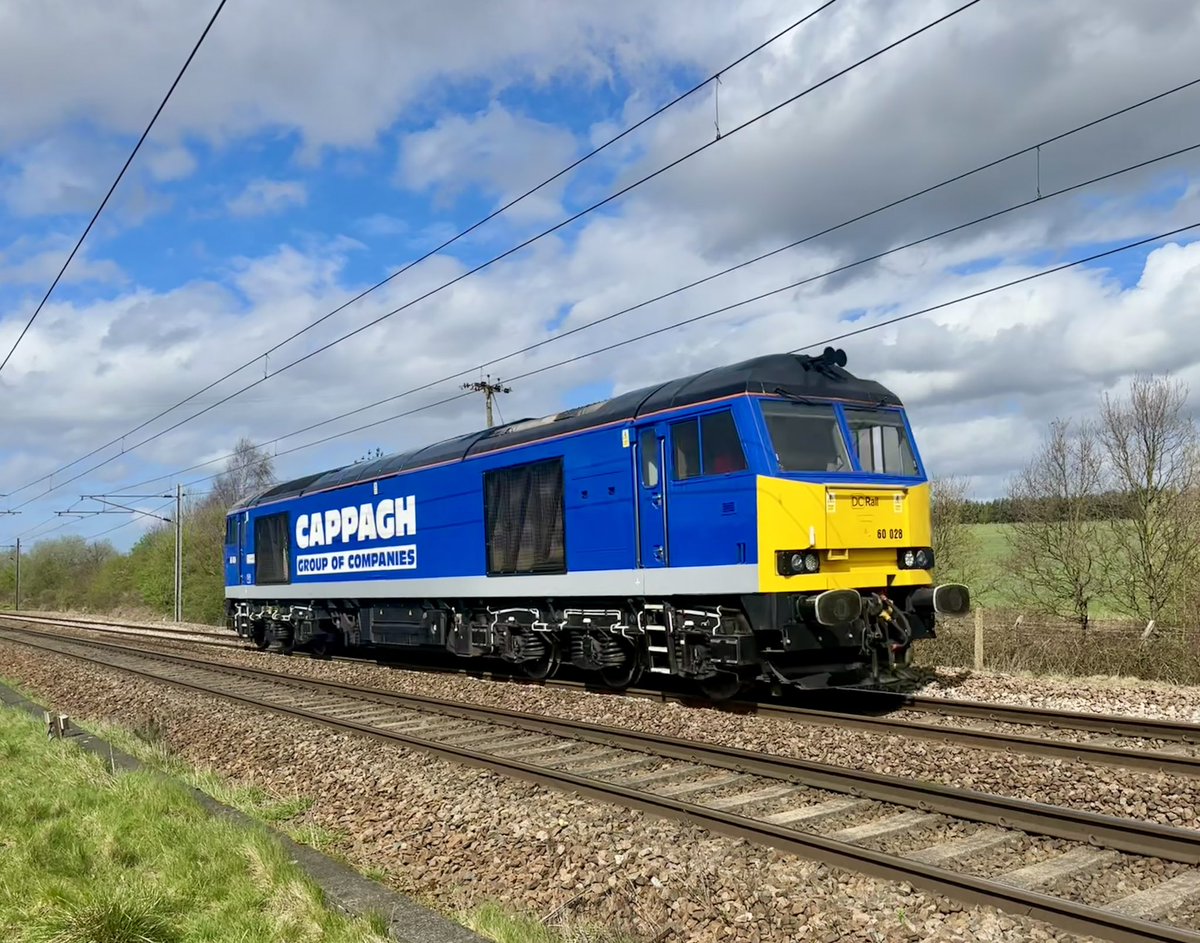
109, 505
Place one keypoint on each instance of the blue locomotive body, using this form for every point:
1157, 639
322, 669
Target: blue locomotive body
672, 529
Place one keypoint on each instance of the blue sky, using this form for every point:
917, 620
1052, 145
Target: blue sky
303, 160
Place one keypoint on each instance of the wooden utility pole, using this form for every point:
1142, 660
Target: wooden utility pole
490, 391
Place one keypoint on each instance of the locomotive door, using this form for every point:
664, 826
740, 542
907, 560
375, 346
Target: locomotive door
243, 568
653, 547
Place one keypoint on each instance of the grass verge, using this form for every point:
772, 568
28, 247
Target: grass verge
88, 856
491, 920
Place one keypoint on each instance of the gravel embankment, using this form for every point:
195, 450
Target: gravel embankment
1130, 696
458, 835
1158, 797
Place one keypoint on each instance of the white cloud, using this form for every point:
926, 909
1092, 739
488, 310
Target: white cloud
982, 378
500, 152
36, 261
267, 197
340, 73
170, 162
382, 224
58, 176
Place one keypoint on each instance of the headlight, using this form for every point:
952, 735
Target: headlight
798, 562
915, 558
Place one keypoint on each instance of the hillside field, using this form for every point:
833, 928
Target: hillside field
999, 590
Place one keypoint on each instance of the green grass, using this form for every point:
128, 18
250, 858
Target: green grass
490, 920
494, 922
89, 856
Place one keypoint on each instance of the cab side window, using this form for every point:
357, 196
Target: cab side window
722, 447
685, 443
707, 446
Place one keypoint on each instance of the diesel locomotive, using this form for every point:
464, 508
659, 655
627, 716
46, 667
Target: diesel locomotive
763, 521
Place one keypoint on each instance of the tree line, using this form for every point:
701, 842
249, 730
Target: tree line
1106, 506
1106, 511
73, 573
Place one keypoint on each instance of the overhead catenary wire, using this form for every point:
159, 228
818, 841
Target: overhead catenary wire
605, 145
107, 196
960, 299
790, 286
480, 267
1074, 263
987, 165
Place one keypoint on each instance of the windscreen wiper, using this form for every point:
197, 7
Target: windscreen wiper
794, 397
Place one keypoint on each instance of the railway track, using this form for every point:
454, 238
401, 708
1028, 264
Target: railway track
216, 638
1140, 743
1020, 856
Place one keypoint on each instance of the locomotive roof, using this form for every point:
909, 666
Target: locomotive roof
820, 377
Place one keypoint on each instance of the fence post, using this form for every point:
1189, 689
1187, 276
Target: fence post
978, 638
1149, 629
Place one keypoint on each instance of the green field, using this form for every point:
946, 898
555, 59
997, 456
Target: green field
996, 589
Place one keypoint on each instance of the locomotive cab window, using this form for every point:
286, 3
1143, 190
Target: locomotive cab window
881, 442
720, 445
523, 512
231, 531
707, 446
685, 447
807, 438
271, 535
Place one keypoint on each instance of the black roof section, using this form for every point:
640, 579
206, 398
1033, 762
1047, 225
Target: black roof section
794, 375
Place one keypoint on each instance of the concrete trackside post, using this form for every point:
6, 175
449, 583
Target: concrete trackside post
978, 638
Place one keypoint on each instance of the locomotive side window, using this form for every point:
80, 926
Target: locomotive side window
685, 444
523, 512
881, 442
230, 530
648, 447
271, 538
707, 446
807, 438
721, 447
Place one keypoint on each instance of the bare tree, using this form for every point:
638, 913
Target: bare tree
1150, 443
1057, 553
248, 471
956, 548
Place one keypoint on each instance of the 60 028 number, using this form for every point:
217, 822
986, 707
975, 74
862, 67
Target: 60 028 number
889, 533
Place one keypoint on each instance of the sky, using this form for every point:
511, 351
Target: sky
314, 148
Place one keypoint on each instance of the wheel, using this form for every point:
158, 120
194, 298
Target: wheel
619, 677
539, 669
322, 645
721, 686
260, 638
